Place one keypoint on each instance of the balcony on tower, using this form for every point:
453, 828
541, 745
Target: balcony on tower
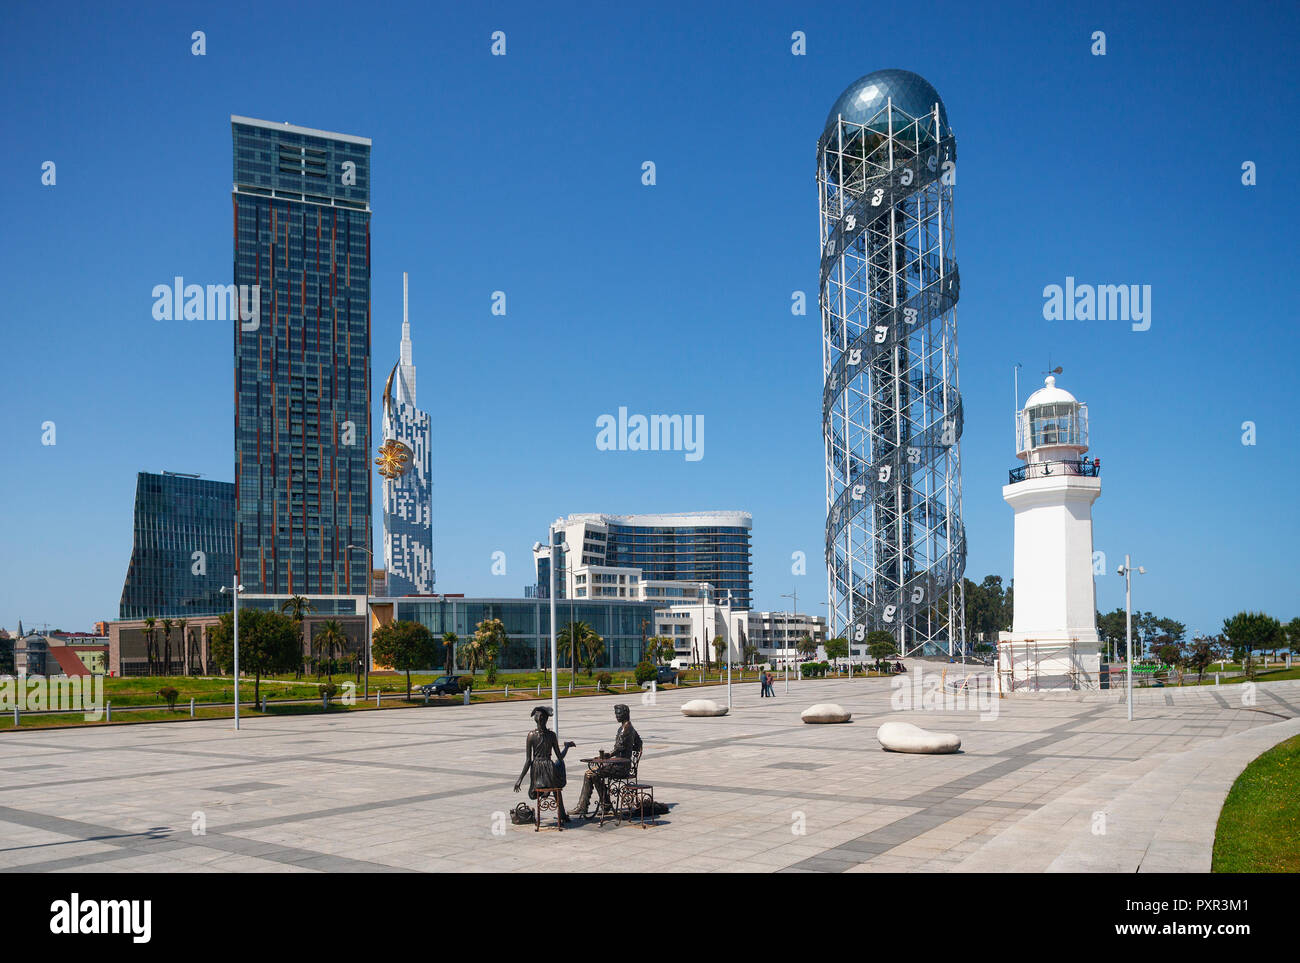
1052, 436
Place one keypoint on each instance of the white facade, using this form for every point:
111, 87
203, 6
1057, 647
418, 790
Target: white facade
688, 622
1053, 642
776, 634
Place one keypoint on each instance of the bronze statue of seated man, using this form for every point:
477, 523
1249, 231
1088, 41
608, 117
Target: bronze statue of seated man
616, 764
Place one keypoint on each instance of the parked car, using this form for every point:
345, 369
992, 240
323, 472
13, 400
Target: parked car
665, 674
443, 685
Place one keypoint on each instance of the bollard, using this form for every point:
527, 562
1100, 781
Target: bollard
15, 716
323, 703
1216, 678
264, 705
109, 710
507, 690
426, 697
625, 685
467, 697
539, 689
191, 707
376, 698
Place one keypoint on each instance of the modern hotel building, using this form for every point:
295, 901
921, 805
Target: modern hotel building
688, 547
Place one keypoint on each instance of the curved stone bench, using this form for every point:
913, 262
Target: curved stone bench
905, 737
703, 707
825, 712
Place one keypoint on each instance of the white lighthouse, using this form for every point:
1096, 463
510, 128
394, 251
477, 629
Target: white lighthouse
1053, 641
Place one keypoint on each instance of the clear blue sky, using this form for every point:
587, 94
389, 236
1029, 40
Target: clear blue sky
522, 173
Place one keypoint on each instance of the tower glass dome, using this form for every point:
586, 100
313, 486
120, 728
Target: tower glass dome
1051, 418
868, 96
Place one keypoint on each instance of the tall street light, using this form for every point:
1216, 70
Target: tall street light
370, 567
1127, 571
560, 546
728, 650
795, 597
234, 591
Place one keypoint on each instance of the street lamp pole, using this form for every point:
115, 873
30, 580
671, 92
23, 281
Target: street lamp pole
1127, 571
795, 597
235, 589
728, 650
370, 566
554, 548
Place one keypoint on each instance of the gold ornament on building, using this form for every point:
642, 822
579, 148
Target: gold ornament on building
394, 458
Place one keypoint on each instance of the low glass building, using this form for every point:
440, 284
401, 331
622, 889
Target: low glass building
622, 624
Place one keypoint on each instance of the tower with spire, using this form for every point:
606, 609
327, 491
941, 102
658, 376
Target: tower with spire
406, 463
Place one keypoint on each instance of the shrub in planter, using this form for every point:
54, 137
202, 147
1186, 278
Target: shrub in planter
169, 696
603, 679
644, 673
329, 691
466, 682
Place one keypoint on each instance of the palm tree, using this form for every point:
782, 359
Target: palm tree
720, 648
751, 654
149, 623
167, 646
329, 638
185, 658
806, 647
449, 642
593, 647
492, 633
297, 604
571, 640
473, 653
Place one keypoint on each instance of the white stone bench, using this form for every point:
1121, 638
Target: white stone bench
825, 712
703, 707
905, 737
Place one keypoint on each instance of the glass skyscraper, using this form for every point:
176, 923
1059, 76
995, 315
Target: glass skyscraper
184, 547
302, 358
408, 483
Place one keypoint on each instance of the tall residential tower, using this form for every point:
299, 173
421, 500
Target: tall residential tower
302, 359
406, 464
891, 414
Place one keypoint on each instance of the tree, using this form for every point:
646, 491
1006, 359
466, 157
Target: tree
837, 649
449, 643
268, 643
490, 635
296, 605
988, 608
149, 630
806, 647
6, 654
1293, 634
404, 646
571, 640
167, 626
719, 649
329, 638
751, 654
880, 644
1250, 631
1201, 656
593, 647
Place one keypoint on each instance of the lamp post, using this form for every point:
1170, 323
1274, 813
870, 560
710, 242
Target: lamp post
235, 589
1127, 571
560, 546
795, 597
728, 651
848, 640
370, 566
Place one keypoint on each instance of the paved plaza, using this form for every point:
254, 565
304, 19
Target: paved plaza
425, 789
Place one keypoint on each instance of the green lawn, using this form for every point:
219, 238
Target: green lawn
1259, 827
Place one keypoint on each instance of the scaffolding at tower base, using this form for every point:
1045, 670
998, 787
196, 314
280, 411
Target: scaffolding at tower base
1046, 666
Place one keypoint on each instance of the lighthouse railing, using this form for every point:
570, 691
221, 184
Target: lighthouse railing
1088, 468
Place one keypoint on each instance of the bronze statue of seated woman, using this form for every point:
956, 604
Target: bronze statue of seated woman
542, 771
